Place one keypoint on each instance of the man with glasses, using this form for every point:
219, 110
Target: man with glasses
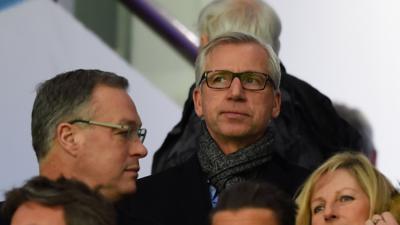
85, 126
236, 95
308, 129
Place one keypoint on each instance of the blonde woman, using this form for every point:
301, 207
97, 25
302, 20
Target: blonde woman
346, 190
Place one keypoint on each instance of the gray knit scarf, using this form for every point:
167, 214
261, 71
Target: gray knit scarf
224, 170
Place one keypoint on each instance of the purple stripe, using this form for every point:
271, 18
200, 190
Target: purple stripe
164, 27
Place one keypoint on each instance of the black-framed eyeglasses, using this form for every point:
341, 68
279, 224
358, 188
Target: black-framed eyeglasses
125, 130
222, 79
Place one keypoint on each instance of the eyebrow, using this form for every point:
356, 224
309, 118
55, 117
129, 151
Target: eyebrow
337, 192
131, 123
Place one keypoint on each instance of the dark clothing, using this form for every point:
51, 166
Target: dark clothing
180, 195
2, 219
224, 170
307, 131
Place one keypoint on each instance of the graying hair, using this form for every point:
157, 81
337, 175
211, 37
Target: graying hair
254, 17
272, 61
62, 98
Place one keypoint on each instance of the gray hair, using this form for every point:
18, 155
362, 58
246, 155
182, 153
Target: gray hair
254, 17
80, 204
272, 62
62, 98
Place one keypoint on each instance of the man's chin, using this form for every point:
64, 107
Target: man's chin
235, 132
116, 192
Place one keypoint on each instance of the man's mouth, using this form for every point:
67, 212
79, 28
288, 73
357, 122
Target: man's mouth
133, 169
234, 114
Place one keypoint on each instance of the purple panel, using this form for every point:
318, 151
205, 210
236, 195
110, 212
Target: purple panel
164, 26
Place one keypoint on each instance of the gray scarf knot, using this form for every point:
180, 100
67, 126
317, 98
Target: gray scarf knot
224, 170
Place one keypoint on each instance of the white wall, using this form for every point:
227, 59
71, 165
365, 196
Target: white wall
38, 40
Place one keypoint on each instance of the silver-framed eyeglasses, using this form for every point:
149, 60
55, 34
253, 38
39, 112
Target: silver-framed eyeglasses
222, 79
125, 130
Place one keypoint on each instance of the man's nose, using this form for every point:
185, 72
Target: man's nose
236, 90
138, 149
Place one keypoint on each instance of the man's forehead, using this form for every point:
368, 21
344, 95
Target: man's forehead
234, 48
135, 123
114, 103
246, 215
224, 44
39, 213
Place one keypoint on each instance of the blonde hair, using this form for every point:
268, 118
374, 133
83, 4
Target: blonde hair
395, 207
375, 185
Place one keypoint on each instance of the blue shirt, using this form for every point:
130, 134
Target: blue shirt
213, 195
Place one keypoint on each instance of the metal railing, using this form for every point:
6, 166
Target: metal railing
171, 30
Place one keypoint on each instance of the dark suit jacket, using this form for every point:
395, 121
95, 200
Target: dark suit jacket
2, 219
180, 195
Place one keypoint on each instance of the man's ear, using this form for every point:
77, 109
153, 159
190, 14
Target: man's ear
197, 101
277, 104
67, 138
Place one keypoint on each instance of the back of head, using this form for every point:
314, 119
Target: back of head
257, 195
81, 205
375, 185
254, 17
62, 98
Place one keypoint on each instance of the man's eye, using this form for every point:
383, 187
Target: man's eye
124, 133
318, 209
249, 80
218, 78
346, 198
252, 79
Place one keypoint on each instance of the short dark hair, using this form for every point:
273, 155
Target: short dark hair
257, 195
64, 97
81, 205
